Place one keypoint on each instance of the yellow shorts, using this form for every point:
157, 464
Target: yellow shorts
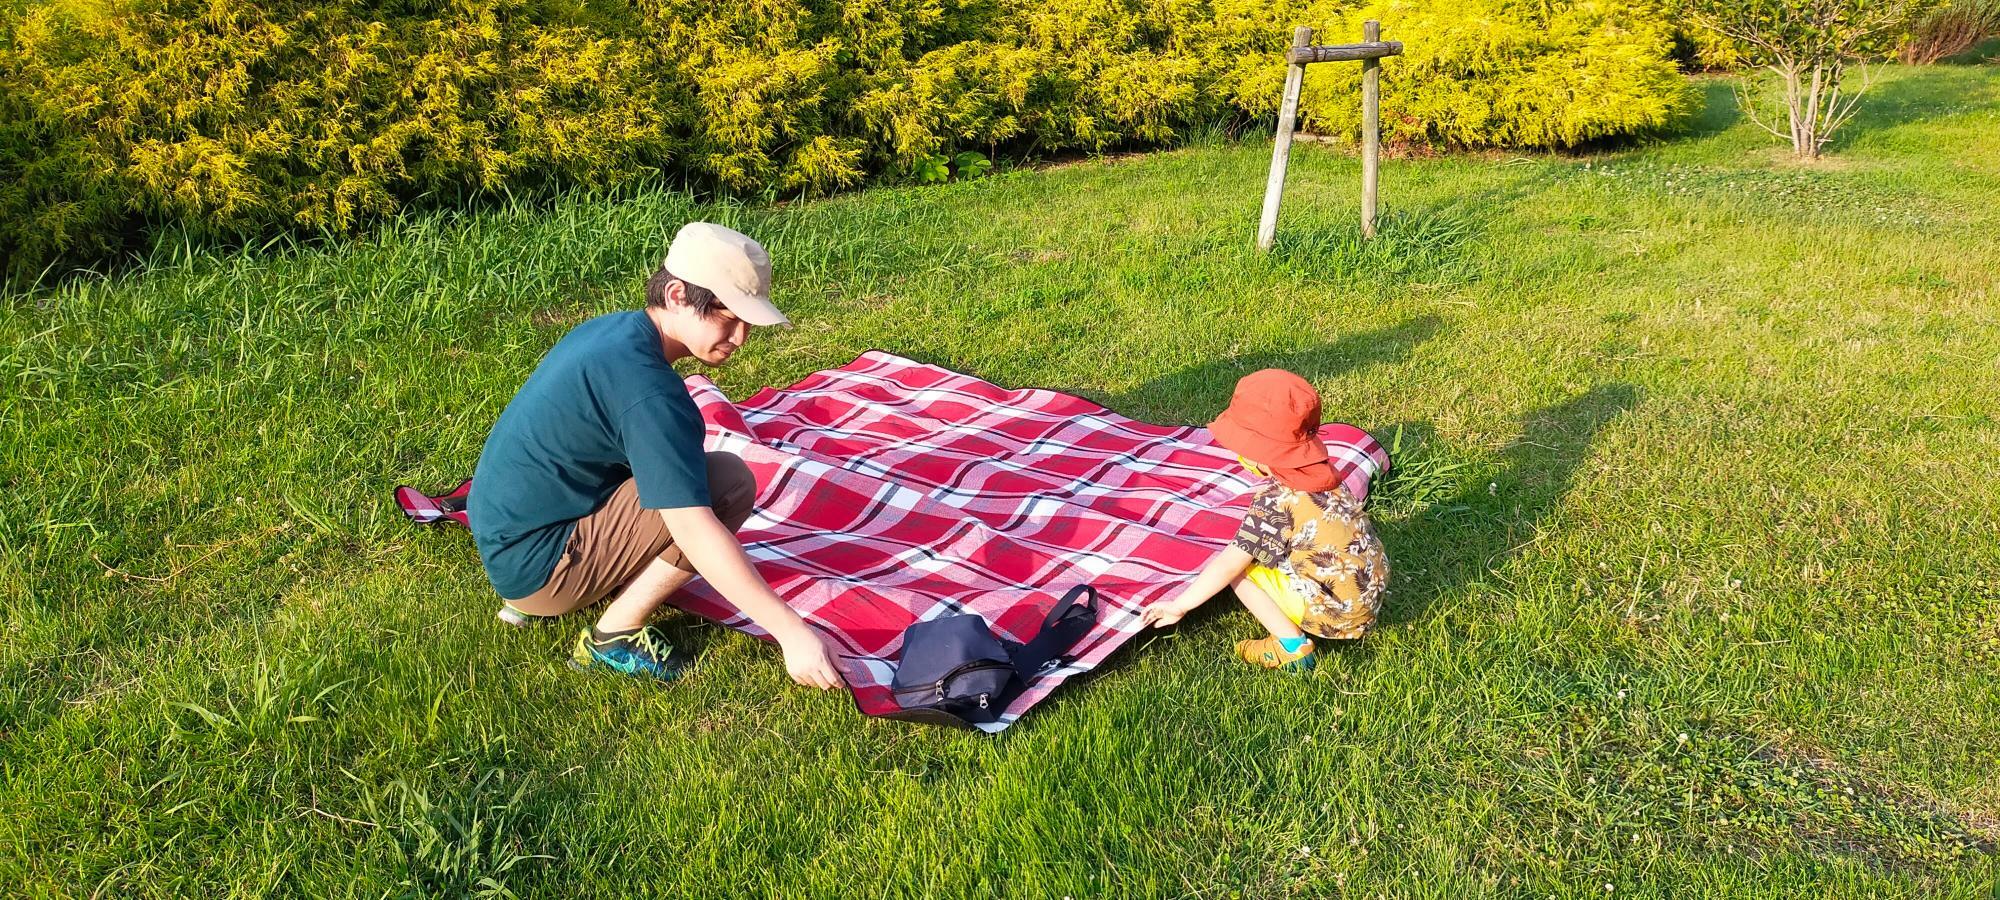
1273, 582
1329, 622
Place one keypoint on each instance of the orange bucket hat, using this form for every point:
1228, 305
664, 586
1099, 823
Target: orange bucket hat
1273, 420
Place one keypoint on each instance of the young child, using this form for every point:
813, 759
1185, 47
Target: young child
1306, 562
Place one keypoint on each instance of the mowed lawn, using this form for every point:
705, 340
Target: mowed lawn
1696, 545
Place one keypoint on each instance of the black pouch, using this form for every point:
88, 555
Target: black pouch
955, 671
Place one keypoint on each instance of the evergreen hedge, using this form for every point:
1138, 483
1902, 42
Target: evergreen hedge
249, 118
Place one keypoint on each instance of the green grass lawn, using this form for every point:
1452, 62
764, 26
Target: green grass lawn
1696, 543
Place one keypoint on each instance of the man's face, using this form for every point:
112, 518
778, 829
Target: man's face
714, 338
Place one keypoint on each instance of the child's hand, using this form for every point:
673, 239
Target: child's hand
1161, 615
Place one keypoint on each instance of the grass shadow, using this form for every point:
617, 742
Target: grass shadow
1719, 111
1443, 533
1986, 52
1204, 388
1907, 99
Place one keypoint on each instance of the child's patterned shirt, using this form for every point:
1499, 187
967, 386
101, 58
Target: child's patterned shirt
1328, 552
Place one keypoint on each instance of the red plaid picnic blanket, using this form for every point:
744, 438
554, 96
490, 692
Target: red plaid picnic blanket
890, 491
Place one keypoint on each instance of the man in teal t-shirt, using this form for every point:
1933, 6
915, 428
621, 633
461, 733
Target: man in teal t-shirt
594, 484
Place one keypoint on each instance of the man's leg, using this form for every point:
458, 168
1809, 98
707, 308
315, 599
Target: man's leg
733, 492
608, 548
633, 605
620, 548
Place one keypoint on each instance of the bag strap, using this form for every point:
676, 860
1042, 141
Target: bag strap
1066, 624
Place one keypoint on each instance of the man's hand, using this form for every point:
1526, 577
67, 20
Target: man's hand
807, 661
1160, 615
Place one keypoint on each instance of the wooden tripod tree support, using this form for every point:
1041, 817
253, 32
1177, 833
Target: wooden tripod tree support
1302, 54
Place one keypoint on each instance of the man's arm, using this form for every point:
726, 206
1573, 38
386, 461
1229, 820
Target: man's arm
719, 557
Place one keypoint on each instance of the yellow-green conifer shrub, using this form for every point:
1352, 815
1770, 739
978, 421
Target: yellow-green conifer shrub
251, 117
62, 194
239, 119
1495, 73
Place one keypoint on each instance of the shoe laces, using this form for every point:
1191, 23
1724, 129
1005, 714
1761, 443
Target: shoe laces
656, 648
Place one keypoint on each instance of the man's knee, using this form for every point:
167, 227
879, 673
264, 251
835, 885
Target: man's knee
732, 490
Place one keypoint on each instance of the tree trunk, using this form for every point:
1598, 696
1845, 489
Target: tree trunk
1813, 114
1795, 109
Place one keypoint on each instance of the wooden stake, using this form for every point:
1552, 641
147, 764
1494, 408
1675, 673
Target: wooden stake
1281, 151
1371, 128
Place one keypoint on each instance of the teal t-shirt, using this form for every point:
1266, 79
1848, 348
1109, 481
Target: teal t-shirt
604, 405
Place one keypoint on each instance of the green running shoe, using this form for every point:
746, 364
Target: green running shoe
644, 652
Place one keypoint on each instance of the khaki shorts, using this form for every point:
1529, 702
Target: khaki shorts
611, 546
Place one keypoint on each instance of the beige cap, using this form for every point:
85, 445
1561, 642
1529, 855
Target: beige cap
729, 263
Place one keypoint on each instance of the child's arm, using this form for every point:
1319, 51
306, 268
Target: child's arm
1221, 571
